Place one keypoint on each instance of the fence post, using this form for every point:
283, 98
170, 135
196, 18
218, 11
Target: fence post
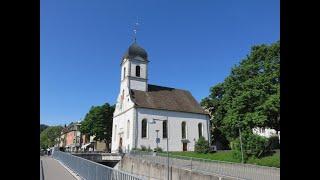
131, 165
97, 172
191, 168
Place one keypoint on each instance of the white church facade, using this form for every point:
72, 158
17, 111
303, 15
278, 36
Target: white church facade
145, 112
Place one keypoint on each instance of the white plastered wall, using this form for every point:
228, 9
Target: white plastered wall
175, 120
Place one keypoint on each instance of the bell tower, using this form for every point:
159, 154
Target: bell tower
134, 71
134, 68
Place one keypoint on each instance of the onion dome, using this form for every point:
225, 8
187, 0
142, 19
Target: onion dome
136, 51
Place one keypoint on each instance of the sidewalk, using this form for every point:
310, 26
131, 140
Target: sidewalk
53, 170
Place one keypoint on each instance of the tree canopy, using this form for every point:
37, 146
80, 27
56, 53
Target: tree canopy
250, 96
43, 127
49, 135
98, 122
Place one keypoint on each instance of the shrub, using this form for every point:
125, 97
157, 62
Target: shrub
158, 149
273, 142
236, 154
136, 149
143, 148
149, 149
253, 146
202, 145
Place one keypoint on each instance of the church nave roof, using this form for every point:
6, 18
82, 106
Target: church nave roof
165, 98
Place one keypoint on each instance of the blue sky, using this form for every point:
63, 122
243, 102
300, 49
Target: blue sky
192, 45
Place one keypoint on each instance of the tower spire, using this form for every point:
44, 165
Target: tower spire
135, 29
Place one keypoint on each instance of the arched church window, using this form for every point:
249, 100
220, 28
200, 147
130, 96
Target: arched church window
164, 129
184, 130
128, 129
200, 129
138, 71
144, 128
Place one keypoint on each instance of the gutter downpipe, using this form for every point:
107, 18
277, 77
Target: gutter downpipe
208, 130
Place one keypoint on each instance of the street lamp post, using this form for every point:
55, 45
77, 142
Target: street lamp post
154, 121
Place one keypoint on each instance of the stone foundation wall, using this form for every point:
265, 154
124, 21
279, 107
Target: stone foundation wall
155, 171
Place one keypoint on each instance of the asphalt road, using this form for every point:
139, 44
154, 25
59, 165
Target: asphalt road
51, 169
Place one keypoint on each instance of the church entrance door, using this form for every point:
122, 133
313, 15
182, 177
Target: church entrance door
184, 148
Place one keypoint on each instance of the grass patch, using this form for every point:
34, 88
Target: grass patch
272, 160
220, 156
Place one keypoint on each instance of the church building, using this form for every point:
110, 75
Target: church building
149, 115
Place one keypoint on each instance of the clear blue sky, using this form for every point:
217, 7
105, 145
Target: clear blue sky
192, 45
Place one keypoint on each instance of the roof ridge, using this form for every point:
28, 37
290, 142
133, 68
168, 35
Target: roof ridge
168, 87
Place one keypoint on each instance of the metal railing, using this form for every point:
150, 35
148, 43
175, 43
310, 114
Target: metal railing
221, 168
90, 170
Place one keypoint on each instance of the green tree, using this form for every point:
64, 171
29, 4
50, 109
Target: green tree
49, 135
98, 123
250, 96
43, 127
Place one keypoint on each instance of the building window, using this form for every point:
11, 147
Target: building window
115, 132
200, 129
122, 96
128, 129
138, 71
164, 129
184, 131
124, 72
144, 128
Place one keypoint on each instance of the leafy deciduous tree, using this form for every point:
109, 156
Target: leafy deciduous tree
98, 123
49, 135
250, 96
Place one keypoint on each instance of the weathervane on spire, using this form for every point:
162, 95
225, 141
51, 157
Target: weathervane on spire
135, 28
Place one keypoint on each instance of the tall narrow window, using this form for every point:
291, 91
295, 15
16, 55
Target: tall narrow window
124, 72
138, 71
144, 128
128, 129
122, 95
122, 98
164, 129
183, 128
200, 129
115, 133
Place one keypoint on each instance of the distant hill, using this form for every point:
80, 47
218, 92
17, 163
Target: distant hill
43, 127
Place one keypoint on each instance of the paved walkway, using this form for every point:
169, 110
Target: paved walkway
51, 169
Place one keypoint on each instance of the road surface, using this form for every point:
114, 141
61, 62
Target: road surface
51, 169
